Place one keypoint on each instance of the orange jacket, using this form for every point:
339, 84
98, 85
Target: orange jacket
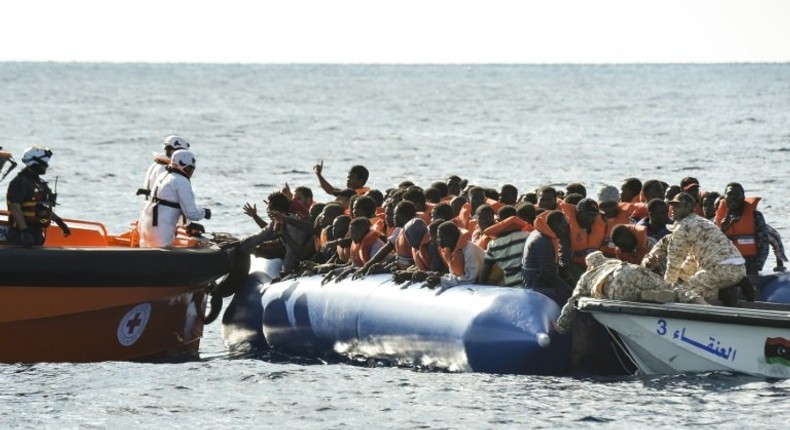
582, 241
640, 232
624, 211
454, 259
360, 252
479, 238
542, 226
507, 225
496, 205
743, 232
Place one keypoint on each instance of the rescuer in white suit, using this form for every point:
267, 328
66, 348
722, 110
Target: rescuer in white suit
170, 144
171, 197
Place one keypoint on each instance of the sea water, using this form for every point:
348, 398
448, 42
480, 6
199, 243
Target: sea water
256, 127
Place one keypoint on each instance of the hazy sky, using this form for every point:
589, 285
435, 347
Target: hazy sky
402, 31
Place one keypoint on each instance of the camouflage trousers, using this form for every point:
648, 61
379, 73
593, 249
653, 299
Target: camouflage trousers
707, 283
628, 281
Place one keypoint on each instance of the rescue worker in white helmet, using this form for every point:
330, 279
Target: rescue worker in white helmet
30, 201
171, 197
171, 144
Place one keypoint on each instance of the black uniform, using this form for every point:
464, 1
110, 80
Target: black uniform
34, 195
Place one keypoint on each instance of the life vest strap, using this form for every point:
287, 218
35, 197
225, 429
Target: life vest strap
157, 201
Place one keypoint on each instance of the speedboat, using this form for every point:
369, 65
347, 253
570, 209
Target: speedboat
93, 296
669, 338
466, 328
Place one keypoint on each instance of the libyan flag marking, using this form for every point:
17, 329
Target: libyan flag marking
777, 351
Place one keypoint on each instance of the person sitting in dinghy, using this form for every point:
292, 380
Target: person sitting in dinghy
463, 258
294, 242
171, 198
30, 201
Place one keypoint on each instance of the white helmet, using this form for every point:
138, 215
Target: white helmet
183, 158
175, 142
36, 155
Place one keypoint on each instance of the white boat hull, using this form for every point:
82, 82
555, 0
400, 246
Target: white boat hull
681, 338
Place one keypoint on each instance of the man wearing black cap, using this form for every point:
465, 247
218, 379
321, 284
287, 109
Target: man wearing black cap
719, 264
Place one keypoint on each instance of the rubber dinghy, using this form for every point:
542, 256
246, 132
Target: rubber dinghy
467, 328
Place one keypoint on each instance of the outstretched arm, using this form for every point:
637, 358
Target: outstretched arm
327, 187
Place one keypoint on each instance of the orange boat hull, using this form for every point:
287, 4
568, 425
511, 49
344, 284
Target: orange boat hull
132, 323
97, 297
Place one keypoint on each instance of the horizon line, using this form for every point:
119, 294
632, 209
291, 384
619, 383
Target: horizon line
362, 63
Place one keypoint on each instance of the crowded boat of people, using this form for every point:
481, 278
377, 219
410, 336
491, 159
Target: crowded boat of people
650, 240
644, 241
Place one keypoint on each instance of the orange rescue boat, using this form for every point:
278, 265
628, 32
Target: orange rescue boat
93, 296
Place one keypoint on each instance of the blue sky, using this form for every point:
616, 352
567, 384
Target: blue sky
403, 31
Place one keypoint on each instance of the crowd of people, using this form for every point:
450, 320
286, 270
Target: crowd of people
646, 240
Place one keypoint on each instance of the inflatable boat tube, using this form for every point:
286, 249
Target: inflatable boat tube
467, 328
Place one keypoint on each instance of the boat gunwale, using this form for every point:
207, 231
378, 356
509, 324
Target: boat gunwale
750, 316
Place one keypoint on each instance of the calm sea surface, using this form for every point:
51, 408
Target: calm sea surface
253, 128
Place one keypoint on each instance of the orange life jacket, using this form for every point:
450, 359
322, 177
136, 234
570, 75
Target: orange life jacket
582, 242
624, 211
640, 232
379, 225
639, 211
472, 224
496, 205
542, 226
321, 239
428, 210
360, 252
454, 259
458, 222
426, 216
479, 238
511, 223
743, 232
361, 190
465, 214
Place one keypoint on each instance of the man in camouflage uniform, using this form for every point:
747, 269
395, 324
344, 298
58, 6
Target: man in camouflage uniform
610, 278
719, 263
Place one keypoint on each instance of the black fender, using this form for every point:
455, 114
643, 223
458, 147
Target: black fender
239, 271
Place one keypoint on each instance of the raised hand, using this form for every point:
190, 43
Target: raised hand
250, 210
319, 168
287, 191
